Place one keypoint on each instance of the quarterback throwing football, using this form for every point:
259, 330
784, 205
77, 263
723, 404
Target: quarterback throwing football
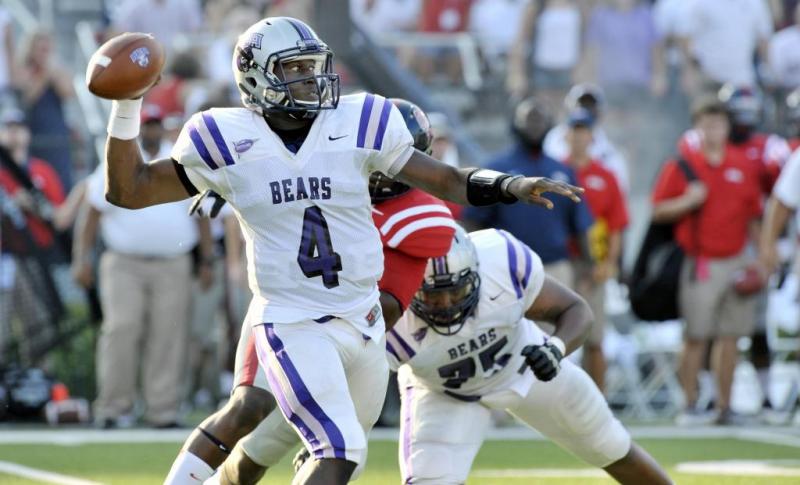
294, 163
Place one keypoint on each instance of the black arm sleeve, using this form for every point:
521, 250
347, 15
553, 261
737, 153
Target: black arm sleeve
187, 184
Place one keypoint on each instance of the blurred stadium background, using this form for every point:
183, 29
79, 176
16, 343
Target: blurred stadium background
465, 62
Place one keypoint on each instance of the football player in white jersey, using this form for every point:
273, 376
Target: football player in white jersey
294, 164
469, 346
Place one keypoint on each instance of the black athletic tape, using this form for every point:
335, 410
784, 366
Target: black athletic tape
219, 444
484, 187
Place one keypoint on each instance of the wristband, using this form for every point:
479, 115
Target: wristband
559, 344
484, 187
124, 121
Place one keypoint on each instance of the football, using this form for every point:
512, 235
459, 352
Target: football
125, 67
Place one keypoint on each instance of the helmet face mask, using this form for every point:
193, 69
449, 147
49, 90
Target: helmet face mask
450, 290
262, 77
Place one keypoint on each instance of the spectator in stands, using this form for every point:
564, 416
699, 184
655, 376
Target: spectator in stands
784, 55
145, 280
546, 232
792, 119
620, 56
489, 23
46, 87
720, 39
441, 17
610, 212
379, 17
7, 63
165, 19
548, 48
590, 97
714, 217
32, 184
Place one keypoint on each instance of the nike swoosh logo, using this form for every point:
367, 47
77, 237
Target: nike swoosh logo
336, 138
493, 298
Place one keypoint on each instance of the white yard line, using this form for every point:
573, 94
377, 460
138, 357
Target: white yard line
42, 475
540, 473
71, 437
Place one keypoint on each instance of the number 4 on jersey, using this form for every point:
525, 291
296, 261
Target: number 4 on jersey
316, 238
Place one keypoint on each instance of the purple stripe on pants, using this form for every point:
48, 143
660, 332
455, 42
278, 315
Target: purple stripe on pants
408, 424
302, 393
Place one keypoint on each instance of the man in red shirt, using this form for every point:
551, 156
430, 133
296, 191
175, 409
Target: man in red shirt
714, 218
608, 207
32, 184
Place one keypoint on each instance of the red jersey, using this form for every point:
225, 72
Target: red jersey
46, 180
606, 203
414, 227
794, 144
444, 16
766, 152
733, 200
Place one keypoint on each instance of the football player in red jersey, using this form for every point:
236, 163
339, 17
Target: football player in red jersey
414, 226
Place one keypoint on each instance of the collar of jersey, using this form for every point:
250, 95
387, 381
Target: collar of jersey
299, 159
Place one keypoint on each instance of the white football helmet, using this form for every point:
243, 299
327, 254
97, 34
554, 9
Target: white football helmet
450, 290
262, 50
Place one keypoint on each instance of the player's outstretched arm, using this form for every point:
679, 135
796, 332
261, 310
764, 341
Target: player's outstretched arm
471, 186
130, 182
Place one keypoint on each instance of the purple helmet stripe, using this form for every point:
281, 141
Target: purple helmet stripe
384, 120
407, 348
217, 136
366, 110
301, 29
512, 264
303, 394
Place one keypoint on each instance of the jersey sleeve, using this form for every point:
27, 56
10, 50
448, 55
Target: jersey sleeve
670, 183
202, 151
382, 130
525, 269
423, 231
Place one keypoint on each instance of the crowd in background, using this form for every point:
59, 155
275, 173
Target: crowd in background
619, 87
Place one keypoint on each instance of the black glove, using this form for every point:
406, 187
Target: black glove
197, 204
301, 457
544, 360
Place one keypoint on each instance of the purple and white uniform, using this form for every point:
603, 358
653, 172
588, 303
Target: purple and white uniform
313, 255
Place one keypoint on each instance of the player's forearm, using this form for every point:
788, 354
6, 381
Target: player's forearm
614, 247
573, 324
392, 311
124, 172
436, 178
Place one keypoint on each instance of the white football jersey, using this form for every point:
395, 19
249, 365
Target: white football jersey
484, 356
312, 248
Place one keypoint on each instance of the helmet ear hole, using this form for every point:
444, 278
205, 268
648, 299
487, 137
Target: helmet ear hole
251, 81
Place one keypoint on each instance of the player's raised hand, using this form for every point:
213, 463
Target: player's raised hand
530, 190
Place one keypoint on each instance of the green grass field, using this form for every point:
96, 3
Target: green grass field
499, 462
